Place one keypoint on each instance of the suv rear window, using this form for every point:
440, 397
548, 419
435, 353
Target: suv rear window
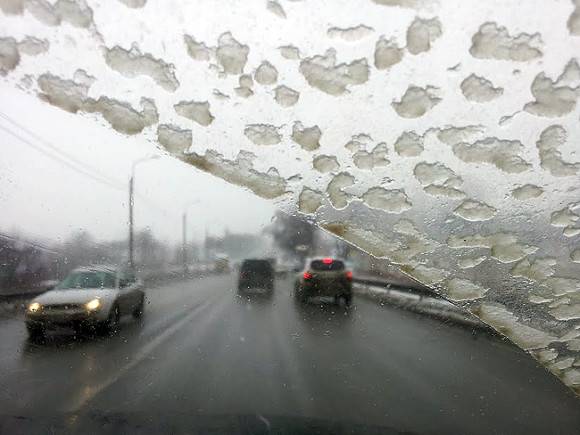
261, 266
327, 265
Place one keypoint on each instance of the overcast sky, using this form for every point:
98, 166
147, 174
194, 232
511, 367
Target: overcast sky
45, 198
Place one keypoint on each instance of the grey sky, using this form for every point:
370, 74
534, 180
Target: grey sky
44, 198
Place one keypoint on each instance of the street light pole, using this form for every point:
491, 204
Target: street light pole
184, 235
131, 204
184, 241
131, 186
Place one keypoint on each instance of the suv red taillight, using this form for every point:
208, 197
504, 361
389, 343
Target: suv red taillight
349, 275
307, 275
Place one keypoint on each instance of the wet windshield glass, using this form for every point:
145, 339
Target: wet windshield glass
87, 280
214, 155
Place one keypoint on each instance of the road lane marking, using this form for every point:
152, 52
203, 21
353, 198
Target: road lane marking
90, 392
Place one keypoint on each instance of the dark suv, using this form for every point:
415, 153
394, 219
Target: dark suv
324, 277
256, 274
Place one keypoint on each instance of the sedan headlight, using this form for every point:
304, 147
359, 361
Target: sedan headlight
93, 305
34, 307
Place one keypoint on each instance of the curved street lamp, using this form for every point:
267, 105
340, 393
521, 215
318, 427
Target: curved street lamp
131, 201
184, 234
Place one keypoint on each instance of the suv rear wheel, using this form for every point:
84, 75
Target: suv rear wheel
343, 300
300, 296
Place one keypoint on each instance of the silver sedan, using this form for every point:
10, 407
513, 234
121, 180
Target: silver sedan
92, 297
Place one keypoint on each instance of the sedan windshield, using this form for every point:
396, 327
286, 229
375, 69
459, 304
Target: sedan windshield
87, 280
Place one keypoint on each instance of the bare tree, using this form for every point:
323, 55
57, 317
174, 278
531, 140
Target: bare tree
295, 237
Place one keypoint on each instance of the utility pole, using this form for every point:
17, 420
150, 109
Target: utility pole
184, 241
184, 235
131, 203
131, 253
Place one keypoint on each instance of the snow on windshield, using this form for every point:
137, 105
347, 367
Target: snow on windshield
439, 135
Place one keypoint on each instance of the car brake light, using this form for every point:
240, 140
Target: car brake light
327, 260
307, 275
349, 275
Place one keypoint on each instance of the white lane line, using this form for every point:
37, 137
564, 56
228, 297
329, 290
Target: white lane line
90, 392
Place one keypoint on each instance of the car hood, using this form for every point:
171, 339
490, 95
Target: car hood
74, 296
186, 423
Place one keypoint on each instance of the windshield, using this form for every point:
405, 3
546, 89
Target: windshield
259, 266
356, 212
87, 280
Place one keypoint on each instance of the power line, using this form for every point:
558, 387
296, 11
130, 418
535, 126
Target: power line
61, 160
57, 156
55, 148
32, 244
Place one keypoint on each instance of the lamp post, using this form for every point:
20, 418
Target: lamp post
184, 235
131, 201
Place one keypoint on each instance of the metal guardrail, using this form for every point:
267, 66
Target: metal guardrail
449, 313
20, 296
420, 291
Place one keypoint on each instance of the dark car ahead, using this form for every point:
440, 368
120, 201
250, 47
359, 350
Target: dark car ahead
256, 274
324, 277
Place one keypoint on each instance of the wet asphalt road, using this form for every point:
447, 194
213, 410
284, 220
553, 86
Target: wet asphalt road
201, 350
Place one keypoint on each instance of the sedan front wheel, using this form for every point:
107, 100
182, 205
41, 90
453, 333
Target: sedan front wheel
139, 309
111, 325
35, 331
